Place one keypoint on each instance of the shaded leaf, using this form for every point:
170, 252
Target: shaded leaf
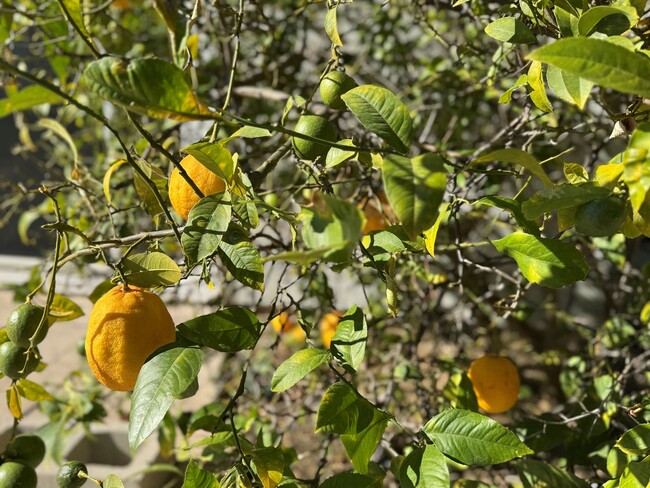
360, 447
349, 342
611, 20
510, 29
196, 477
228, 330
207, 223
424, 467
522, 158
242, 258
269, 465
562, 196
415, 188
162, 379
343, 411
146, 85
535, 474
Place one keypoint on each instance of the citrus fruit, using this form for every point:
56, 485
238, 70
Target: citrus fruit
328, 325
496, 383
313, 126
14, 363
125, 326
27, 449
601, 218
23, 322
68, 475
282, 322
181, 195
376, 218
332, 86
17, 475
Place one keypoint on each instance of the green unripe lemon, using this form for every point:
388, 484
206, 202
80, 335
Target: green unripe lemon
68, 475
601, 218
17, 475
23, 322
13, 362
27, 449
313, 126
333, 85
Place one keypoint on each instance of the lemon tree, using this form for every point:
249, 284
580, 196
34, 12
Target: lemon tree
412, 236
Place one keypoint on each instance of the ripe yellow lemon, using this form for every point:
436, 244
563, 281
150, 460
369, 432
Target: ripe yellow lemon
287, 325
328, 325
496, 383
181, 195
125, 326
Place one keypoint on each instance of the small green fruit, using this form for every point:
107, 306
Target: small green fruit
17, 475
23, 322
68, 475
313, 126
27, 449
332, 86
601, 218
14, 363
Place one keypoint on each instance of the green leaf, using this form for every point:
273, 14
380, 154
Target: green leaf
143, 189
510, 29
506, 97
196, 477
381, 112
343, 411
568, 86
148, 86
297, 367
349, 342
607, 19
151, 270
424, 467
72, 11
383, 244
347, 480
32, 391
415, 188
178, 27
636, 440
517, 156
460, 392
208, 221
538, 474
562, 196
473, 439
431, 234
62, 309
58, 129
331, 27
214, 157
162, 379
269, 465
247, 132
514, 207
636, 475
230, 329
112, 481
6, 21
330, 224
606, 64
336, 156
547, 262
242, 258
28, 97
305, 258
360, 447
